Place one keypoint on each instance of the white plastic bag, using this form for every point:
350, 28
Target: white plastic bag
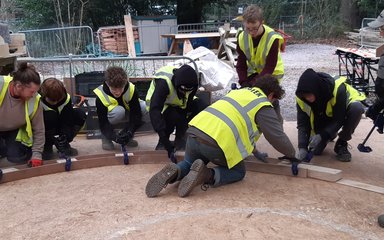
215, 74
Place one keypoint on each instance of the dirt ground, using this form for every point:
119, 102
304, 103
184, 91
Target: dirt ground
110, 203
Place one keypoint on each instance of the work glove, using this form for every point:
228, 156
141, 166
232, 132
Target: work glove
262, 156
314, 142
301, 154
61, 143
35, 162
123, 137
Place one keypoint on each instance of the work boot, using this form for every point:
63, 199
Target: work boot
107, 144
199, 174
341, 149
47, 152
160, 180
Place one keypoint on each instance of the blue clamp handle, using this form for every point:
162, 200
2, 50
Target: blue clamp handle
125, 153
295, 168
68, 161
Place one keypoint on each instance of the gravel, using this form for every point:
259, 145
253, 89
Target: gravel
297, 58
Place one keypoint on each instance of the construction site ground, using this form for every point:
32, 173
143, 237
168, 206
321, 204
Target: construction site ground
110, 202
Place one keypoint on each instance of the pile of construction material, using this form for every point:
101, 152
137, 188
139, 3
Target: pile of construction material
114, 39
366, 37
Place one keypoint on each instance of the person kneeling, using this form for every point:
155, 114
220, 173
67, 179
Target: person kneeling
62, 121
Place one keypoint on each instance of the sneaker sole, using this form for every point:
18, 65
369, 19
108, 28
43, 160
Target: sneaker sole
160, 180
189, 182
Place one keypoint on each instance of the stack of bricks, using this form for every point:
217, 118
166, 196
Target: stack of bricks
115, 40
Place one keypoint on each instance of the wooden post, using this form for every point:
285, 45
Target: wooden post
129, 33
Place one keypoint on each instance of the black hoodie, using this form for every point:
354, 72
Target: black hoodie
321, 85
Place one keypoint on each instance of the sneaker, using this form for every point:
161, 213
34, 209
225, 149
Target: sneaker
161, 179
71, 152
341, 149
132, 143
47, 152
107, 144
160, 146
199, 174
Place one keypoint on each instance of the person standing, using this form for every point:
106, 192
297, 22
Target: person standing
258, 48
22, 129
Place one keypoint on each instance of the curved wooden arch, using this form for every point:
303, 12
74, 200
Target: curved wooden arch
154, 157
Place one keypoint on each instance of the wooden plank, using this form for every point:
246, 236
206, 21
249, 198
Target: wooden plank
273, 168
361, 185
322, 173
129, 34
187, 46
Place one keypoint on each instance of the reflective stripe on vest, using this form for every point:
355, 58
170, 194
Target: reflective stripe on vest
230, 121
59, 108
352, 95
111, 102
256, 58
25, 134
172, 99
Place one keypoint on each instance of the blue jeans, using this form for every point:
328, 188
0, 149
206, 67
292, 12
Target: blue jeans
196, 150
15, 151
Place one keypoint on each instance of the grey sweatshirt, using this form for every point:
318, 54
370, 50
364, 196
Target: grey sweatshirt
12, 112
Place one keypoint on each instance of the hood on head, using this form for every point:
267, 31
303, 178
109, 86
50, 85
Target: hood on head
185, 78
319, 84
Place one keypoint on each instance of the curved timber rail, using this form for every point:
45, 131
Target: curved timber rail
274, 166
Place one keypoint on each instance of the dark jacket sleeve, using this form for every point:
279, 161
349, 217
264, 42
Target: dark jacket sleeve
156, 106
303, 128
241, 65
67, 121
135, 116
105, 127
271, 127
339, 114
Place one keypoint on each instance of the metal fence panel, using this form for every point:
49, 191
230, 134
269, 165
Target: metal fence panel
138, 69
59, 42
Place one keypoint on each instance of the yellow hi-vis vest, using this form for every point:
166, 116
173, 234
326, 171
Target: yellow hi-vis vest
172, 99
352, 96
60, 108
111, 102
230, 121
256, 57
24, 135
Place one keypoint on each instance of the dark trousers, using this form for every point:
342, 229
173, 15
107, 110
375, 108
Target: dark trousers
15, 151
352, 119
177, 118
54, 125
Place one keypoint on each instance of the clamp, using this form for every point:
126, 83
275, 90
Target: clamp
125, 153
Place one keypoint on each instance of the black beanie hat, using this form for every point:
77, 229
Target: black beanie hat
185, 77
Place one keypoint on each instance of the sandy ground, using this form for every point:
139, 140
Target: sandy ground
110, 203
